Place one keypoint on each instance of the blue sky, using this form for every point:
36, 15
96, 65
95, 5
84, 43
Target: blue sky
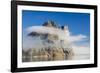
78, 23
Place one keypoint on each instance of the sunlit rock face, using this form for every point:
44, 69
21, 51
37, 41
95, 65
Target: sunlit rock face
55, 40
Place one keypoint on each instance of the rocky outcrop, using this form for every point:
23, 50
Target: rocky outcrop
53, 52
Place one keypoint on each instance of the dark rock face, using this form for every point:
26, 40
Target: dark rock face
50, 24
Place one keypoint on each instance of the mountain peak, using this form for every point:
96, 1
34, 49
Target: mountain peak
50, 23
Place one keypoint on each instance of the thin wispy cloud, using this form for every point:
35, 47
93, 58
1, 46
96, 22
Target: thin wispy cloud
46, 30
58, 32
77, 38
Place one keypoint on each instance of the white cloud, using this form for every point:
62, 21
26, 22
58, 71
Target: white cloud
81, 52
81, 49
78, 38
62, 35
